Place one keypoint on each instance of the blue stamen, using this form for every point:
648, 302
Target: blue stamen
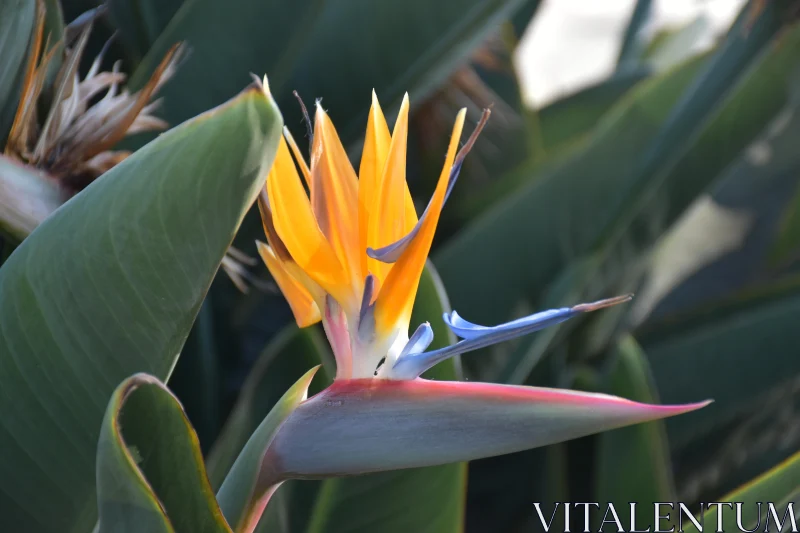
476, 336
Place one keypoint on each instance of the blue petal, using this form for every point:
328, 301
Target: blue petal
475, 336
419, 341
468, 330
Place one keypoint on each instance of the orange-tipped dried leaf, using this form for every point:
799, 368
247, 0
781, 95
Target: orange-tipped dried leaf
297, 227
304, 308
113, 131
28, 98
396, 297
21, 137
334, 196
64, 85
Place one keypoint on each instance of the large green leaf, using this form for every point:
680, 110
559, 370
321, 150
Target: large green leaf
633, 42
140, 22
632, 181
777, 487
150, 475
693, 353
422, 500
109, 286
17, 20
391, 46
633, 463
560, 130
226, 43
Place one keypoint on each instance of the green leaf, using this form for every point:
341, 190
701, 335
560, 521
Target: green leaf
709, 351
140, 22
109, 286
787, 245
196, 378
646, 164
150, 475
251, 482
633, 44
778, 486
678, 45
523, 16
361, 45
560, 129
17, 21
633, 463
226, 43
285, 360
428, 499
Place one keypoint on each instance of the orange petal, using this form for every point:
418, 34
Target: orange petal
334, 197
396, 297
303, 306
390, 219
373, 159
297, 228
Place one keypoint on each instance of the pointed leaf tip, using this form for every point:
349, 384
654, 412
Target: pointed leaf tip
374, 425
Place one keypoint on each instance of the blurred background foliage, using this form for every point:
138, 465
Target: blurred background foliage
677, 178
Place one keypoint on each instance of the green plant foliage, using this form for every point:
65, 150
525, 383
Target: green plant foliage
711, 349
633, 463
150, 474
662, 132
444, 33
778, 485
225, 45
109, 286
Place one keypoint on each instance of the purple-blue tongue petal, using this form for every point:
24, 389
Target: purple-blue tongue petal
369, 425
475, 336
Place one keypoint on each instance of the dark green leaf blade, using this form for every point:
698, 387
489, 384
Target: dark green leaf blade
150, 474
424, 500
225, 45
711, 349
778, 486
362, 45
633, 462
109, 286
140, 22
